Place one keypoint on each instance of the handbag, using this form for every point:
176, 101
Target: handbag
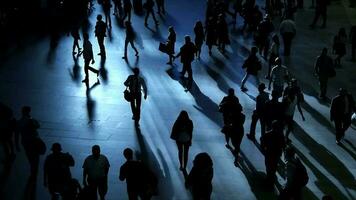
162, 47
127, 95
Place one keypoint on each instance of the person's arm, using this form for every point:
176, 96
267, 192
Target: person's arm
92, 55
144, 86
270, 80
107, 167
128, 81
85, 173
122, 175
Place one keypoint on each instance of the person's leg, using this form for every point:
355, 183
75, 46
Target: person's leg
254, 120
146, 17
263, 125
180, 155
94, 70
353, 52
138, 107
102, 188
93, 185
185, 154
133, 108
338, 129
243, 82
346, 123
289, 123
125, 50
129, 14
184, 69
133, 46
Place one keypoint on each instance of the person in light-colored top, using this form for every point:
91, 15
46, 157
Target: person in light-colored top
279, 75
95, 172
288, 31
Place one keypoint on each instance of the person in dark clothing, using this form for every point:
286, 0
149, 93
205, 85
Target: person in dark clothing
73, 191
160, 7
88, 57
341, 110
56, 171
106, 4
182, 133
211, 35
187, 52
76, 37
237, 133
149, 11
264, 29
127, 10
252, 65
258, 113
296, 175
100, 33
274, 110
229, 106
353, 42
130, 37
288, 31
134, 83
323, 69
7, 129
272, 145
320, 10
273, 54
139, 178
172, 37
200, 177
339, 46
118, 8
199, 37
27, 130
222, 33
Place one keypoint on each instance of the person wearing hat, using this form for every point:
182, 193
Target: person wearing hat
57, 171
341, 110
258, 113
252, 65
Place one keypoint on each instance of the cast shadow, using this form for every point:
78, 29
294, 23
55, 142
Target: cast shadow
103, 71
75, 71
4, 176
318, 117
91, 103
30, 190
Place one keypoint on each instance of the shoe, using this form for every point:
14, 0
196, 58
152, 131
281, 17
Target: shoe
74, 52
124, 57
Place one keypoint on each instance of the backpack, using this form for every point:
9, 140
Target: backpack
301, 174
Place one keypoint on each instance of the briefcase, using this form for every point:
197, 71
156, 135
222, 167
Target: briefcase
162, 47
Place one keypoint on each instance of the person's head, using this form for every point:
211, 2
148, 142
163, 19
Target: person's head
199, 24
187, 39
171, 29
324, 52
99, 17
275, 94
231, 92
293, 82
86, 36
289, 153
183, 115
56, 148
127, 23
26, 111
254, 50
261, 87
202, 160
275, 39
136, 71
128, 154
95, 150
342, 91
278, 61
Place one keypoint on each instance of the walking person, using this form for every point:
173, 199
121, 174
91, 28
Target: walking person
88, 58
76, 37
258, 113
273, 54
106, 4
199, 37
288, 31
149, 11
187, 52
134, 83
342, 108
127, 10
279, 75
324, 70
140, 180
160, 7
129, 39
252, 65
100, 33
172, 37
222, 33
34, 147
237, 133
353, 42
200, 177
211, 34
339, 46
95, 172
264, 30
57, 173
272, 145
7, 130
273, 110
182, 134
320, 10
118, 8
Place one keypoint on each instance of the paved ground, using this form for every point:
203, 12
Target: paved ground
50, 82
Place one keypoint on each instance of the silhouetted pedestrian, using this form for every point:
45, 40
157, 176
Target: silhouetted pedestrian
279, 75
129, 39
171, 44
100, 33
187, 52
324, 70
288, 31
148, 5
264, 29
141, 182
353, 42
32, 144
273, 54
296, 174
274, 110
95, 172
211, 34
76, 37
222, 33
252, 65
199, 37
118, 8
127, 10
237, 133
258, 113
134, 83
160, 7
320, 10
272, 145
73, 191
339, 46
57, 174
7, 129
341, 110
229, 106
88, 57
182, 133
200, 177
106, 4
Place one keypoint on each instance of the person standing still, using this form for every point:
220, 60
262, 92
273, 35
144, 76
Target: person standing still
134, 83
